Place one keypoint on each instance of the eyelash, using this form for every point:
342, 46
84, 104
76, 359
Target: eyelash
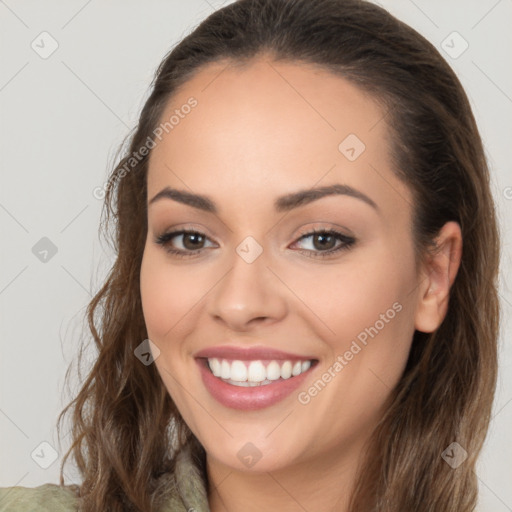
348, 242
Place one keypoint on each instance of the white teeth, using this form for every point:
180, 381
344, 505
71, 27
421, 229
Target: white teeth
273, 371
255, 373
247, 384
286, 370
238, 371
215, 366
225, 369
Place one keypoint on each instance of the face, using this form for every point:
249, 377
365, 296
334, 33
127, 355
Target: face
316, 294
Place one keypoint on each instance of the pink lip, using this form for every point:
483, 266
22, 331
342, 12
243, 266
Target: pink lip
250, 353
249, 398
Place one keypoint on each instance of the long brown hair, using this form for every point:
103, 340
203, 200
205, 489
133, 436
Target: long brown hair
126, 429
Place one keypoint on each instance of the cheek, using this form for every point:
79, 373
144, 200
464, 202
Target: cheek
158, 303
168, 293
350, 297
376, 327
368, 307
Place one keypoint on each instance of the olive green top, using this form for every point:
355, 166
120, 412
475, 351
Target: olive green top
182, 491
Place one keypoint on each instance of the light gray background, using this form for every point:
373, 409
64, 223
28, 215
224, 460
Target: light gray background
63, 117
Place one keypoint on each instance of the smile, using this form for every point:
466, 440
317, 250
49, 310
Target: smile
256, 373
254, 378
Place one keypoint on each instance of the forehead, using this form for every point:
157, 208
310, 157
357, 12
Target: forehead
268, 125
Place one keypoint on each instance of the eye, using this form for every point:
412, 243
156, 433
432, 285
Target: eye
192, 242
325, 241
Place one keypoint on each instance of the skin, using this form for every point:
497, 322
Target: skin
258, 132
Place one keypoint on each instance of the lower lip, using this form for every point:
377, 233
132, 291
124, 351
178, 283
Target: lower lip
248, 398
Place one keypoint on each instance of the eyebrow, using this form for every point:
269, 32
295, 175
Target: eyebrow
282, 204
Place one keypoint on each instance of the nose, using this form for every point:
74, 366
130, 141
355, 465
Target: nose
249, 294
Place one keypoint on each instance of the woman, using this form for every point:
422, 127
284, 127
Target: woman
303, 311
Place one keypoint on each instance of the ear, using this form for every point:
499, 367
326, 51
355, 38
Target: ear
437, 277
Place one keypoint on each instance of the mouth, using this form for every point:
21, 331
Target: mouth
257, 373
238, 380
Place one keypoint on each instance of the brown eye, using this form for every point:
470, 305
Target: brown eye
192, 242
324, 242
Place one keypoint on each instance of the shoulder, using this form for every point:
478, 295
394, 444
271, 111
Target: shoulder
45, 498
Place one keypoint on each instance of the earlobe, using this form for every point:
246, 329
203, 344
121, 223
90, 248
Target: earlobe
437, 278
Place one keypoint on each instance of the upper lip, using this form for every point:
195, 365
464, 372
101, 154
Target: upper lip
249, 353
